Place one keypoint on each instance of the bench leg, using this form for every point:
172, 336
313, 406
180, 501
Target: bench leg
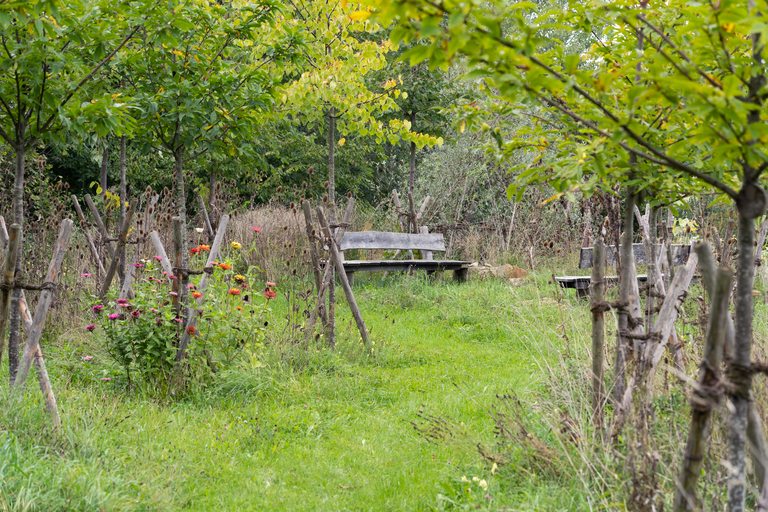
460, 274
350, 278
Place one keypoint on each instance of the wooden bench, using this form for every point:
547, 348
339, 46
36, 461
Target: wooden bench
376, 240
581, 283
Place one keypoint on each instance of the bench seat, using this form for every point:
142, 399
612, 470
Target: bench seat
581, 283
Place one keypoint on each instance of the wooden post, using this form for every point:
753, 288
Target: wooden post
177, 263
336, 257
120, 244
422, 209
207, 219
103, 230
87, 236
328, 274
3, 235
424, 230
760, 242
412, 226
192, 318
8, 279
131, 271
598, 332
164, 262
701, 403
46, 296
313, 251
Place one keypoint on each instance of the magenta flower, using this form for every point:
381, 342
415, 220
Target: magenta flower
86, 275
171, 277
269, 294
153, 310
158, 258
135, 314
173, 294
122, 301
190, 286
177, 320
125, 304
257, 229
90, 328
138, 265
271, 284
106, 379
114, 316
97, 307
87, 358
165, 273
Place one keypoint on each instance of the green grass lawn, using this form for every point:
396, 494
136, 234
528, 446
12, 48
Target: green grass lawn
318, 431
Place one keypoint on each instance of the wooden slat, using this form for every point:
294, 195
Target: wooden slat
679, 255
403, 265
401, 241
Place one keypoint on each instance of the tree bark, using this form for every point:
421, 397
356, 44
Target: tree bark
123, 199
598, 333
181, 200
212, 197
104, 167
625, 286
412, 177
738, 371
14, 324
331, 326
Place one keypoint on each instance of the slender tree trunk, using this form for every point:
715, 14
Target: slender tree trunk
738, 371
412, 177
14, 323
625, 286
181, 200
586, 239
332, 203
123, 199
212, 197
104, 166
598, 333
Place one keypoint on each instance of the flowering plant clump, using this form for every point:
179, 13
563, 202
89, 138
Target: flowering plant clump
143, 334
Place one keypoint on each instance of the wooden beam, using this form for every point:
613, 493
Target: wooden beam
383, 240
313, 251
87, 236
160, 250
102, 231
46, 296
120, 244
206, 219
336, 257
149, 214
192, 318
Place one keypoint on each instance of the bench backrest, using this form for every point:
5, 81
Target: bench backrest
679, 255
383, 240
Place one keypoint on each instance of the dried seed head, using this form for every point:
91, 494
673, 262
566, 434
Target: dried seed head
151, 209
304, 185
325, 198
58, 187
349, 194
285, 228
148, 190
166, 191
551, 244
325, 184
279, 189
293, 205
302, 198
311, 170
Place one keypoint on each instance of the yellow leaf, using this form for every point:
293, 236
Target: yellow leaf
117, 95
344, 3
342, 141
360, 15
556, 196
728, 27
462, 126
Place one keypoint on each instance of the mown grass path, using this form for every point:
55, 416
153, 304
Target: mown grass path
326, 432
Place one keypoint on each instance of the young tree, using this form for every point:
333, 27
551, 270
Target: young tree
199, 83
52, 52
683, 110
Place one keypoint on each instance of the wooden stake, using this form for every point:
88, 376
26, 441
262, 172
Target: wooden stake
701, 404
327, 274
46, 296
337, 260
598, 333
164, 262
191, 317
149, 213
87, 236
313, 252
103, 231
178, 262
8, 279
120, 244
207, 219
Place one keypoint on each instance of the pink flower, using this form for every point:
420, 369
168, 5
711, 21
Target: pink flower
177, 320
114, 316
135, 314
165, 273
90, 328
158, 258
271, 284
125, 304
97, 307
106, 379
138, 265
257, 229
122, 301
171, 277
190, 286
173, 294
153, 310
270, 294
86, 275
87, 358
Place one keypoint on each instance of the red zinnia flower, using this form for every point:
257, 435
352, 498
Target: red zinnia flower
234, 291
196, 295
270, 294
191, 330
224, 266
194, 251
